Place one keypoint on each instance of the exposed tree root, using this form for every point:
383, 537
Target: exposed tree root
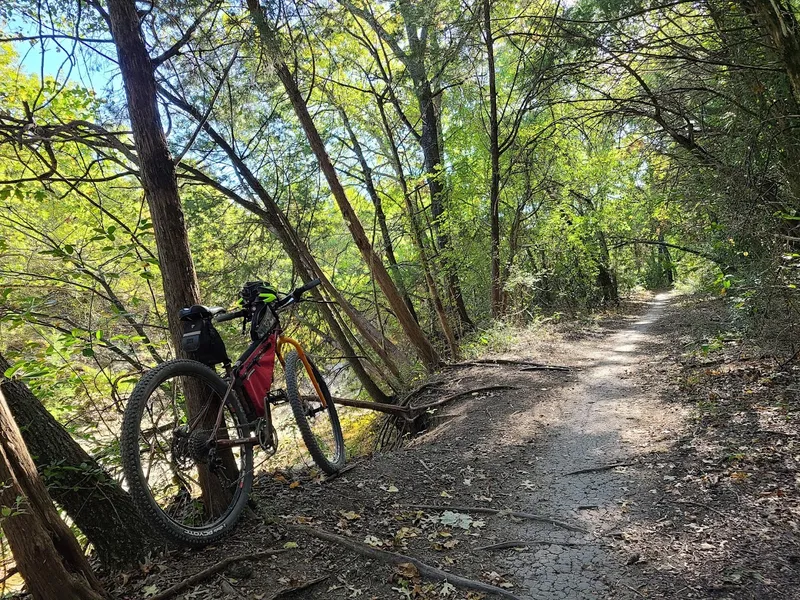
548, 368
407, 418
526, 365
487, 388
389, 409
495, 511
394, 558
418, 390
599, 469
523, 543
211, 571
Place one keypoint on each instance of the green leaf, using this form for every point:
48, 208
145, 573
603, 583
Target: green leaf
9, 372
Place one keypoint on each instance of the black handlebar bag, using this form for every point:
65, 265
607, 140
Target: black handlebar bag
201, 340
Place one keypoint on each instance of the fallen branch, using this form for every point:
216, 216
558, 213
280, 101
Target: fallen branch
341, 472
390, 409
599, 469
394, 558
456, 396
527, 365
706, 506
495, 511
523, 543
212, 570
304, 586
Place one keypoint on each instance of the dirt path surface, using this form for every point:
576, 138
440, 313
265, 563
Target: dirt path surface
604, 464
604, 418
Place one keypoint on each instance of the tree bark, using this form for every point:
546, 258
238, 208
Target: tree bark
426, 352
158, 177
494, 152
100, 508
778, 21
416, 235
47, 554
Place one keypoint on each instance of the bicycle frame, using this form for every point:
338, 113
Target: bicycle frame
237, 382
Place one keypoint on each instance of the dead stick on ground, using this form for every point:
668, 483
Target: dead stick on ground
548, 368
706, 506
634, 590
210, 571
600, 469
495, 511
341, 472
304, 586
523, 543
393, 558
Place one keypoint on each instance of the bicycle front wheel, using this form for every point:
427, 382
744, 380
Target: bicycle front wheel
188, 488
318, 422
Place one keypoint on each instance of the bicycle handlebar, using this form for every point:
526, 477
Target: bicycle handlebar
230, 316
295, 295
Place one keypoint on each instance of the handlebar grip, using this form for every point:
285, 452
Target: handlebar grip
309, 286
230, 316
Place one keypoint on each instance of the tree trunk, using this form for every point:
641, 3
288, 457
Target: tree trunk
431, 149
278, 225
413, 57
157, 173
426, 352
779, 22
47, 554
100, 508
494, 152
381, 217
416, 235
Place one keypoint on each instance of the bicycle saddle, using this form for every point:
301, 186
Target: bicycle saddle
198, 311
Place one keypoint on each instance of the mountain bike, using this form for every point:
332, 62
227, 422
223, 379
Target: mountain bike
188, 434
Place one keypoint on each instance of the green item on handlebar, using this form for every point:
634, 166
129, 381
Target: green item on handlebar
268, 297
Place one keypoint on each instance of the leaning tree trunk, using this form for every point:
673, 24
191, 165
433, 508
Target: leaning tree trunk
46, 552
419, 242
101, 509
158, 176
426, 352
369, 183
278, 224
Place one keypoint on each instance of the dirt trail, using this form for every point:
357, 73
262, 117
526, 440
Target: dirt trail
604, 418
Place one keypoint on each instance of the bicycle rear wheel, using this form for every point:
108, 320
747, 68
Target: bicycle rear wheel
318, 424
191, 491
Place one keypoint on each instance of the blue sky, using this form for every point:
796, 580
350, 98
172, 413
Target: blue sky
79, 65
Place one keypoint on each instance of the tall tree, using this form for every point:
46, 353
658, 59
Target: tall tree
413, 52
158, 176
426, 352
494, 154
